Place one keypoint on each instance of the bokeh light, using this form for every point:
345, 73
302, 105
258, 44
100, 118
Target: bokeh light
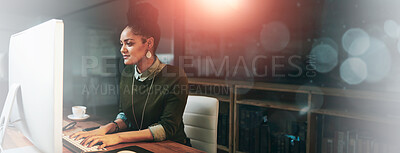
353, 71
378, 60
221, 6
233, 3
274, 36
326, 58
327, 41
355, 41
391, 28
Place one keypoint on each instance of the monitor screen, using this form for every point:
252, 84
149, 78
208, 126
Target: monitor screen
36, 58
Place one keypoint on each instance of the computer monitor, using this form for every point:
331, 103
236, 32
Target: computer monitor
36, 61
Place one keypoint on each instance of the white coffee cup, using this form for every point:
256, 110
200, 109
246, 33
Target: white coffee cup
78, 111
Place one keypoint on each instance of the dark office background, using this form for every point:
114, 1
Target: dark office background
346, 44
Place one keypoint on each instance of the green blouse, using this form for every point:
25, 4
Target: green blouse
166, 101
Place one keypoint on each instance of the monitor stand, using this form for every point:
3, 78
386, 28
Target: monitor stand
5, 115
30, 149
12, 95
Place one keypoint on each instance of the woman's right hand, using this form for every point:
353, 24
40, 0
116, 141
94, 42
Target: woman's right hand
85, 134
103, 130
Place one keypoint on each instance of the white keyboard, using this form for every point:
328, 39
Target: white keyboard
77, 147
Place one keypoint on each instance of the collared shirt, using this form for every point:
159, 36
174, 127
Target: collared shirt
149, 73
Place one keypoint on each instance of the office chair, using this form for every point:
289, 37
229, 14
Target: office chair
200, 119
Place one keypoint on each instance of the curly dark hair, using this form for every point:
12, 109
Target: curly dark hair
143, 21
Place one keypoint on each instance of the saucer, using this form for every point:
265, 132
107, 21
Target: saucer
72, 117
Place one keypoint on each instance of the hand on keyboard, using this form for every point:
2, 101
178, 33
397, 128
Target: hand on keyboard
85, 134
77, 145
106, 140
91, 138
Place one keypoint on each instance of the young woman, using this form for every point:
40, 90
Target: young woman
152, 94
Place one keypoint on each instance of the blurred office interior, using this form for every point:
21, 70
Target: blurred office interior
339, 58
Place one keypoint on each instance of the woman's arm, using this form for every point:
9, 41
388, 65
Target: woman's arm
175, 102
108, 128
135, 136
122, 137
169, 120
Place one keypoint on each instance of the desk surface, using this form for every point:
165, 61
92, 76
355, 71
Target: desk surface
15, 139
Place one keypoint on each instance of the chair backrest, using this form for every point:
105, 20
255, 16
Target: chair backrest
200, 119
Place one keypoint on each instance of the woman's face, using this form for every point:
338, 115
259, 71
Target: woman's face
133, 49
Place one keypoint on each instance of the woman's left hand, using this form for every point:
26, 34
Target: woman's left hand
106, 140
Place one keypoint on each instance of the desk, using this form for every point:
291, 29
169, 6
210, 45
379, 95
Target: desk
15, 139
